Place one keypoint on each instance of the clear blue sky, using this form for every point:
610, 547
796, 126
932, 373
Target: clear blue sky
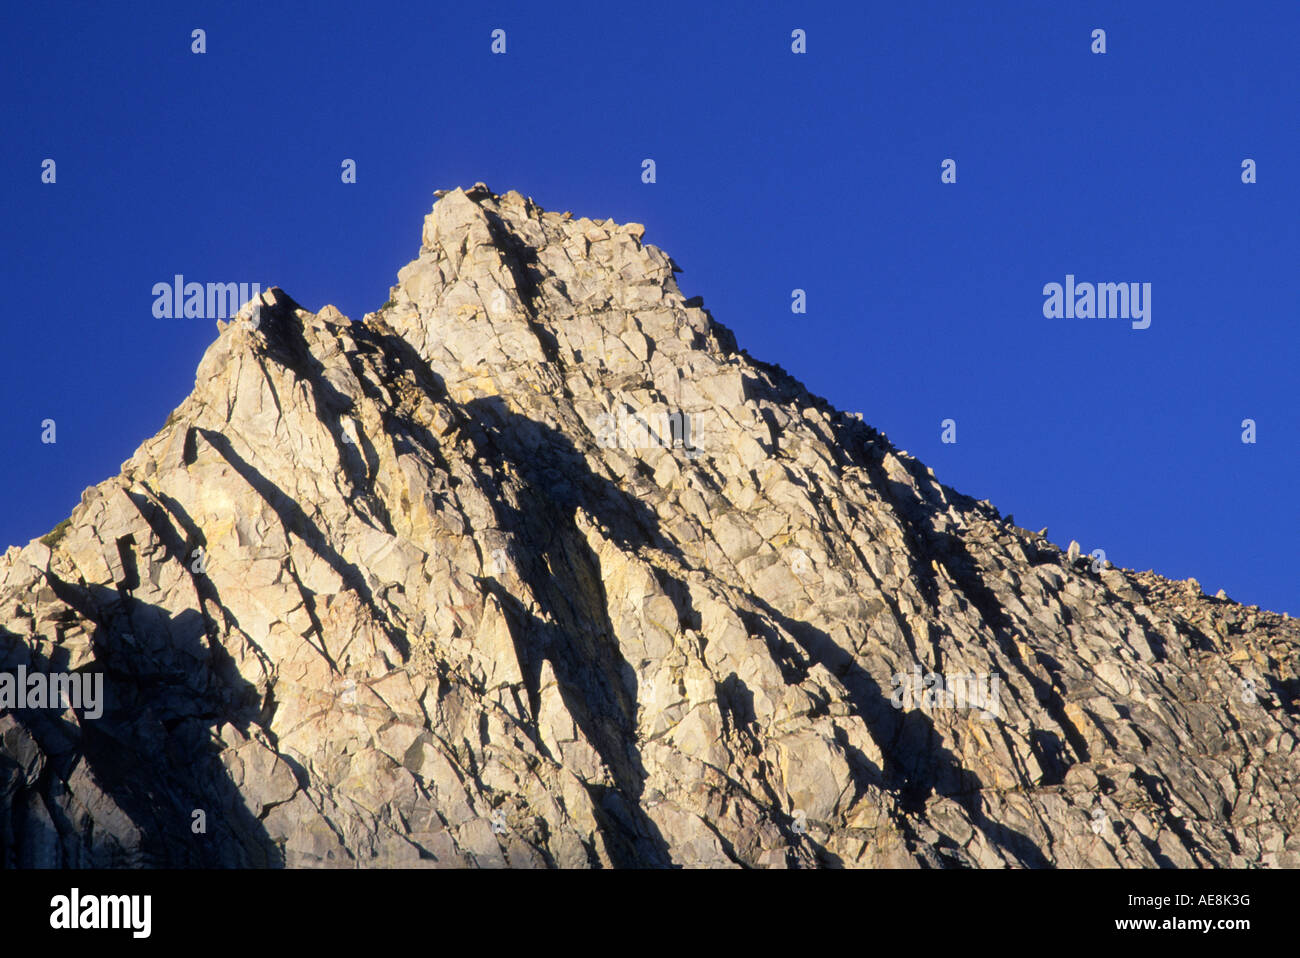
775, 171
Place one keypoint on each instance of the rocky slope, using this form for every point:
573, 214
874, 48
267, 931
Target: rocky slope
533, 567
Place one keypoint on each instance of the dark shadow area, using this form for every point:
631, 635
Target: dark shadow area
136, 774
916, 766
573, 632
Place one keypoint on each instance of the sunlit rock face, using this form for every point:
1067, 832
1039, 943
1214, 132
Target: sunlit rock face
533, 567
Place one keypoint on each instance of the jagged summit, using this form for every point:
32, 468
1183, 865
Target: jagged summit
533, 566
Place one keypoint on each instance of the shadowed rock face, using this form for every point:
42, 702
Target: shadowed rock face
532, 567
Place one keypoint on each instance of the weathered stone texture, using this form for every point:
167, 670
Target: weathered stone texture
404, 592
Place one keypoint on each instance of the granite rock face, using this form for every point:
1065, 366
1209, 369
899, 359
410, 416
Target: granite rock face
533, 567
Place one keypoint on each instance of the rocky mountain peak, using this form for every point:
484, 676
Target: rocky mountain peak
503, 289
532, 566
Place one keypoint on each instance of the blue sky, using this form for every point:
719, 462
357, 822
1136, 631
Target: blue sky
775, 171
